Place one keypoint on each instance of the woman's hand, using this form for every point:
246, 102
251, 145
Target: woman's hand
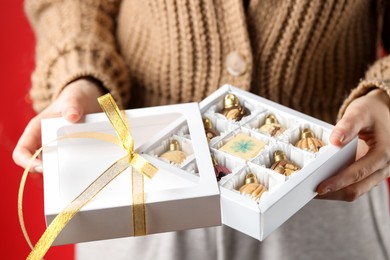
369, 118
77, 99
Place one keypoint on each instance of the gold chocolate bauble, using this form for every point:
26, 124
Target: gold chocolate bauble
209, 129
252, 186
282, 165
272, 126
232, 108
309, 141
174, 154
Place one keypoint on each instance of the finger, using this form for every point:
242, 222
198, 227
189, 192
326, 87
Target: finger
28, 143
22, 157
358, 171
347, 128
354, 191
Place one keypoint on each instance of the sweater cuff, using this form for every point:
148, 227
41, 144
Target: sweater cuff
363, 88
75, 60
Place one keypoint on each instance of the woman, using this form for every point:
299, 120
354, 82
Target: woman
307, 55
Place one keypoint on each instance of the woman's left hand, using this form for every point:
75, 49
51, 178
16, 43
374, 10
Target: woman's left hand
367, 117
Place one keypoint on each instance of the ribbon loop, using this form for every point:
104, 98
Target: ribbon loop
119, 122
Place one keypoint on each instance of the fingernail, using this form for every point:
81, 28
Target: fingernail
71, 113
339, 136
324, 191
38, 168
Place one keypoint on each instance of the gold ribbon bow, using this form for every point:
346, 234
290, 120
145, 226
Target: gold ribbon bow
132, 159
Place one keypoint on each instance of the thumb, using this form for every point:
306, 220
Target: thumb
346, 129
73, 111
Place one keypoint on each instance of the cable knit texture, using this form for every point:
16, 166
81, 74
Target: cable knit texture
305, 54
75, 39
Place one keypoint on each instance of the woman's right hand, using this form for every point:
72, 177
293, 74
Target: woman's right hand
76, 99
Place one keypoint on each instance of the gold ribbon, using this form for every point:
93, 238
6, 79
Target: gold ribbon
139, 164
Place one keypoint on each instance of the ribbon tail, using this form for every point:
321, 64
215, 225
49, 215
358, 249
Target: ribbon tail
93, 135
20, 197
71, 209
138, 207
141, 168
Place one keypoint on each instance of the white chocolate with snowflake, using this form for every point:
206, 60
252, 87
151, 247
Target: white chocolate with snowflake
243, 146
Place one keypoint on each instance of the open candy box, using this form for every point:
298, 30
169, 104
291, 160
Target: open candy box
271, 158
182, 195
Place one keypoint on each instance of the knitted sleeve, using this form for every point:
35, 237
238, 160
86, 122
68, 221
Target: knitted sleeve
378, 75
374, 79
75, 38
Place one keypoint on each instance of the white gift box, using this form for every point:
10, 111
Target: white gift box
179, 196
286, 195
187, 196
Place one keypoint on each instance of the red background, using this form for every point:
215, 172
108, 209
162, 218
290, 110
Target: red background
16, 65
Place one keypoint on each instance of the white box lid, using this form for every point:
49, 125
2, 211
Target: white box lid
175, 199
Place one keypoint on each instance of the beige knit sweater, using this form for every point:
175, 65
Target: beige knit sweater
305, 54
